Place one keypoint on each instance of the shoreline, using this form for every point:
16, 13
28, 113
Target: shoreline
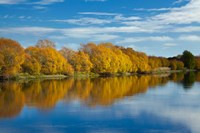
23, 76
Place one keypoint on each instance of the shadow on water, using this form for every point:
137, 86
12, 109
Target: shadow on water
91, 92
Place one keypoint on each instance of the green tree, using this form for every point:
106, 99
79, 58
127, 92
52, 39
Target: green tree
188, 59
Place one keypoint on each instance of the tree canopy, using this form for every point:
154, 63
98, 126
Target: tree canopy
11, 57
188, 59
103, 58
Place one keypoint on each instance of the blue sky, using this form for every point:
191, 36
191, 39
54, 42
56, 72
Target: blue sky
157, 27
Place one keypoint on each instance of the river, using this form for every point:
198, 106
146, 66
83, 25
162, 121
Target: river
141, 104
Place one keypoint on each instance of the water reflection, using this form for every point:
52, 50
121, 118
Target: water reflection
189, 80
91, 92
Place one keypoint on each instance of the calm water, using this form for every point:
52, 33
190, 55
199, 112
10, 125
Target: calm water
141, 104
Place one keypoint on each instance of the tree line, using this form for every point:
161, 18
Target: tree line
104, 58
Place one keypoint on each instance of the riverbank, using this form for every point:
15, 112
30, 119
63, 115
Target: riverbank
25, 76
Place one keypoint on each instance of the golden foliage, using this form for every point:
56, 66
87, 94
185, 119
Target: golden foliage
51, 61
139, 60
197, 64
79, 60
176, 65
11, 57
31, 65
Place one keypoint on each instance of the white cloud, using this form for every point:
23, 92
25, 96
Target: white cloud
28, 30
179, 1
88, 30
153, 9
41, 2
143, 39
84, 21
169, 44
121, 18
39, 7
170, 20
99, 13
11, 1
187, 14
90, 21
21, 17
187, 29
189, 38
15, 17
103, 37
47, 2
95, 0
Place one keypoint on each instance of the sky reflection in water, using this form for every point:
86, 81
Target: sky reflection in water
118, 104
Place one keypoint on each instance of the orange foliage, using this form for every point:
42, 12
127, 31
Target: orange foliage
11, 57
31, 65
79, 60
51, 61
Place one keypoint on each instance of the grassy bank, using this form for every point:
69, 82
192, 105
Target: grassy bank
25, 76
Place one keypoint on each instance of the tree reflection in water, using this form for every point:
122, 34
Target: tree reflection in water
91, 92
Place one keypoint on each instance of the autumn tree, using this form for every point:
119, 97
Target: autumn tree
102, 58
78, 59
67, 53
45, 43
11, 57
155, 62
143, 65
51, 61
121, 61
133, 57
139, 60
31, 65
176, 65
164, 62
81, 62
197, 63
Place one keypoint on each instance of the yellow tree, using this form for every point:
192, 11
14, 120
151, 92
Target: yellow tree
11, 57
67, 53
122, 61
81, 62
154, 62
139, 60
143, 60
31, 65
104, 60
197, 64
133, 57
176, 65
51, 61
